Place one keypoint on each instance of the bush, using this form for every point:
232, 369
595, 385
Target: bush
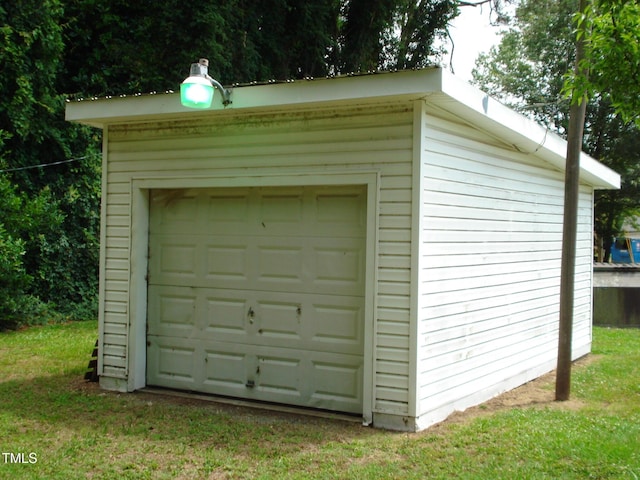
13, 280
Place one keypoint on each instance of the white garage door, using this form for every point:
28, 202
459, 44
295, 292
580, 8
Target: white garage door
258, 293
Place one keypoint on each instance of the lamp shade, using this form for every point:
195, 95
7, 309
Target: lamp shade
196, 92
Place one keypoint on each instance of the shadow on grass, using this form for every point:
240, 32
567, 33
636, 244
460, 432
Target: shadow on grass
80, 431
72, 406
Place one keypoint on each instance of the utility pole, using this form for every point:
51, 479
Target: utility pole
575, 132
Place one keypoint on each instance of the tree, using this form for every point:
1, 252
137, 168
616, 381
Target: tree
612, 55
49, 49
117, 47
612, 37
575, 132
527, 71
392, 34
420, 25
14, 280
58, 199
606, 26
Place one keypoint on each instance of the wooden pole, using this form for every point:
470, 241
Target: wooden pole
575, 132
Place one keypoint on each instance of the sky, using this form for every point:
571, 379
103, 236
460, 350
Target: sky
472, 34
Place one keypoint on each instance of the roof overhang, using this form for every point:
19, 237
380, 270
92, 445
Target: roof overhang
435, 85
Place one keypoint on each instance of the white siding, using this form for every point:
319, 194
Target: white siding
488, 251
489, 292
371, 139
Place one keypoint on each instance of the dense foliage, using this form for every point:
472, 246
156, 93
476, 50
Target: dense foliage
49, 214
123, 47
528, 70
612, 57
50, 49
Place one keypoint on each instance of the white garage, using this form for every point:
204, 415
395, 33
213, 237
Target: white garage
384, 245
259, 293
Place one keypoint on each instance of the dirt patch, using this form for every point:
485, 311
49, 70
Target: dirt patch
538, 393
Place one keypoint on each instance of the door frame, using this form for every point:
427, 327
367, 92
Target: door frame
139, 252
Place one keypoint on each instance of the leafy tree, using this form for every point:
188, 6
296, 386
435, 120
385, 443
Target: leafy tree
123, 47
527, 70
55, 225
606, 58
14, 280
612, 56
420, 24
50, 170
118, 47
23, 219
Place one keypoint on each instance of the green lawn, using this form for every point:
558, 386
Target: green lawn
76, 430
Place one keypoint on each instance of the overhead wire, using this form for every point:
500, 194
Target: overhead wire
44, 165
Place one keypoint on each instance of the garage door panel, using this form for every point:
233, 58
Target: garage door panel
339, 268
337, 384
172, 311
228, 261
174, 257
225, 370
177, 208
314, 322
279, 374
258, 293
286, 376
298, 264
227, 317
278, 320
280, 267
227, 211
340, 212
297, 377
252, 372
171, 362
338, 327
281, 208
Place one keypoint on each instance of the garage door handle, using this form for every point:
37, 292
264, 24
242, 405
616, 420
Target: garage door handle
251, 314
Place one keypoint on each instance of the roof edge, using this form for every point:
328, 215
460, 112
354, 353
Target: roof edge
527, 135
342, 90
468, 103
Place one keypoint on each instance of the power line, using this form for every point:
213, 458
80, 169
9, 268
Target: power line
43, 165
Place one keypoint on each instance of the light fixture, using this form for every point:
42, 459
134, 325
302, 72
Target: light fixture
198, 88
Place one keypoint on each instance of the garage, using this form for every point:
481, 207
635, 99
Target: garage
387, 245
258, 293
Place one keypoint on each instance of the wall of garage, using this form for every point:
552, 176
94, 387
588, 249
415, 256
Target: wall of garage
490, 269
369, 139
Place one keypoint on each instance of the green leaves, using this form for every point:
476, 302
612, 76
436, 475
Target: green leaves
53, 48
49, 244
611, 31
529, 70
122, 47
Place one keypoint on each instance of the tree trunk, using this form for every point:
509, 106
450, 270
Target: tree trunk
570, 223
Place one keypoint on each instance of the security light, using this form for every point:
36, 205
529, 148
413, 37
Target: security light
198, 88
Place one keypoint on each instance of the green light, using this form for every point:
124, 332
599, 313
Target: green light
196, 92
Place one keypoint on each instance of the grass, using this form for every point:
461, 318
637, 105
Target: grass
78, 431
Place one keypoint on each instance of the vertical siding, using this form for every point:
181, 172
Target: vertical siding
489, 294
331, 141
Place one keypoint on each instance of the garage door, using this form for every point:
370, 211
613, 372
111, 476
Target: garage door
258, 293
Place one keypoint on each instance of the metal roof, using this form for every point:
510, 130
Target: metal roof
441, 90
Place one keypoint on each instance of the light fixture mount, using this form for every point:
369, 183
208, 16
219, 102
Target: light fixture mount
197, 89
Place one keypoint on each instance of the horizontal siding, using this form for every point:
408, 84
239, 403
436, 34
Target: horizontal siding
357, 140
490, 249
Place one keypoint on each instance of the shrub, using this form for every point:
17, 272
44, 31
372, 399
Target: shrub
13, 279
